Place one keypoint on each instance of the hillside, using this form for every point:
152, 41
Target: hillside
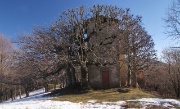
109, 95
101, 99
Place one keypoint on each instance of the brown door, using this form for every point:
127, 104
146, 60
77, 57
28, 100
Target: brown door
105, 79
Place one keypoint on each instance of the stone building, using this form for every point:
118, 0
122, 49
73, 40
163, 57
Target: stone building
108, 70
109, 76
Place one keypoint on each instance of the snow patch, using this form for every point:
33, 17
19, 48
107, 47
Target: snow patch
157, 102
37, 100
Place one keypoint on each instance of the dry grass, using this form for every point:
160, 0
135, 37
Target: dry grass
110, 95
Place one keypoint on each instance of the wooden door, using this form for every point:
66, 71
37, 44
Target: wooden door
105, 79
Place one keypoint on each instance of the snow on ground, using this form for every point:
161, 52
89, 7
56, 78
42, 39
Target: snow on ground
38, 101
169, 103
37, 94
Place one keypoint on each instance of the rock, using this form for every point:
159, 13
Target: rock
124, 105
92, 101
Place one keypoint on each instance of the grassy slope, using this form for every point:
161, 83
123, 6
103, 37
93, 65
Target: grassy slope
110, 95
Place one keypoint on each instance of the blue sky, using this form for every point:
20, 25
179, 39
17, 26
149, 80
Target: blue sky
21, 16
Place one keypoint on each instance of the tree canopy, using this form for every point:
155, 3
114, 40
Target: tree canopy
81, 36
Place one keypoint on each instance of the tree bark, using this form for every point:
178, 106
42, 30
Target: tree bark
11, 94
84, 77
134, 79
129, 76
46, 87
26, 89
71, 78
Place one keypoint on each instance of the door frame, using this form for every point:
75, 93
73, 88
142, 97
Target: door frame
108, 85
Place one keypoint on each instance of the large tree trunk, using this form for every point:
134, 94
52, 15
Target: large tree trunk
11, 94
129, 70
71, 79
84, 77
27, 92
134, 75
134, 65
46, 86
72, 70
134, 79
129, 77
26, 87
19, 91
15, 93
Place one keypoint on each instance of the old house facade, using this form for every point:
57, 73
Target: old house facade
108, 70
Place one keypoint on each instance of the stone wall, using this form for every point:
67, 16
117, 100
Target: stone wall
95, 76
104, 43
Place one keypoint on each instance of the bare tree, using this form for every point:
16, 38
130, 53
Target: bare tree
66, 42
47, 51
172, 60
104, 26
81, 37
7, 50
172, 20
137, 45
157, 79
